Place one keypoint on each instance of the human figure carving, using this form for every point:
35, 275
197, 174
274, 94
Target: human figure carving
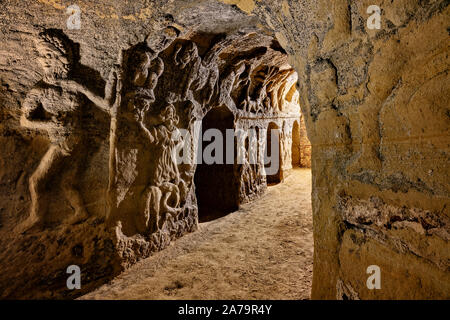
161, 198
187, 59
57, 110
165, 137
146, 69
230, 82
129, 155
200, 75
207, 81
145, 182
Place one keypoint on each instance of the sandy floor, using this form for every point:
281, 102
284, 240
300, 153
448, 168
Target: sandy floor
262, 251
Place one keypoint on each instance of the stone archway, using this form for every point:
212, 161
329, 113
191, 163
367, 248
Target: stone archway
276, 176
215, 184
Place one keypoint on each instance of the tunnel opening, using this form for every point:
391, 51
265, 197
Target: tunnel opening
247, 76
296, 145
275, 177
215, 184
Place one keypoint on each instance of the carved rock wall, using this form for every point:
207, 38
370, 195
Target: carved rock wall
375, 105
90, 174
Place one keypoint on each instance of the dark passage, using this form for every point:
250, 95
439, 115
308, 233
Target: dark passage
215, 184
275, 178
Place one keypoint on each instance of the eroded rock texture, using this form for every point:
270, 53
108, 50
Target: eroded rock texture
376, 106
103, 187
87, 117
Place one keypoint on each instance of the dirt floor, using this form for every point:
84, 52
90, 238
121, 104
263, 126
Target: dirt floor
262, 251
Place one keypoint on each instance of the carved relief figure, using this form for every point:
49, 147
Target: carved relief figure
57, 111
129, 152
187, 59
207, 84
147, 67
166, 189
246, 153
286, 145
229, 83
147, 190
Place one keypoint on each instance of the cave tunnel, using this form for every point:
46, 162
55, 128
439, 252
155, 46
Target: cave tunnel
215, 184
92, 181
274, 177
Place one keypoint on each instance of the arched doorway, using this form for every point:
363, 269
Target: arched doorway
273, 168
295, 145
215, 184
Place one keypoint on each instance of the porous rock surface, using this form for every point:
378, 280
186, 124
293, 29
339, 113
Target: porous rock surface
89, 190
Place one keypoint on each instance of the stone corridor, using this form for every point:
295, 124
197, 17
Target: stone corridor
147, 147
262, 251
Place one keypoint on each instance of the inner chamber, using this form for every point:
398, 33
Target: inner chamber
256, 94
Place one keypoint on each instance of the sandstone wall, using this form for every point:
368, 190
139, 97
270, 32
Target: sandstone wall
91, 121
375, 104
